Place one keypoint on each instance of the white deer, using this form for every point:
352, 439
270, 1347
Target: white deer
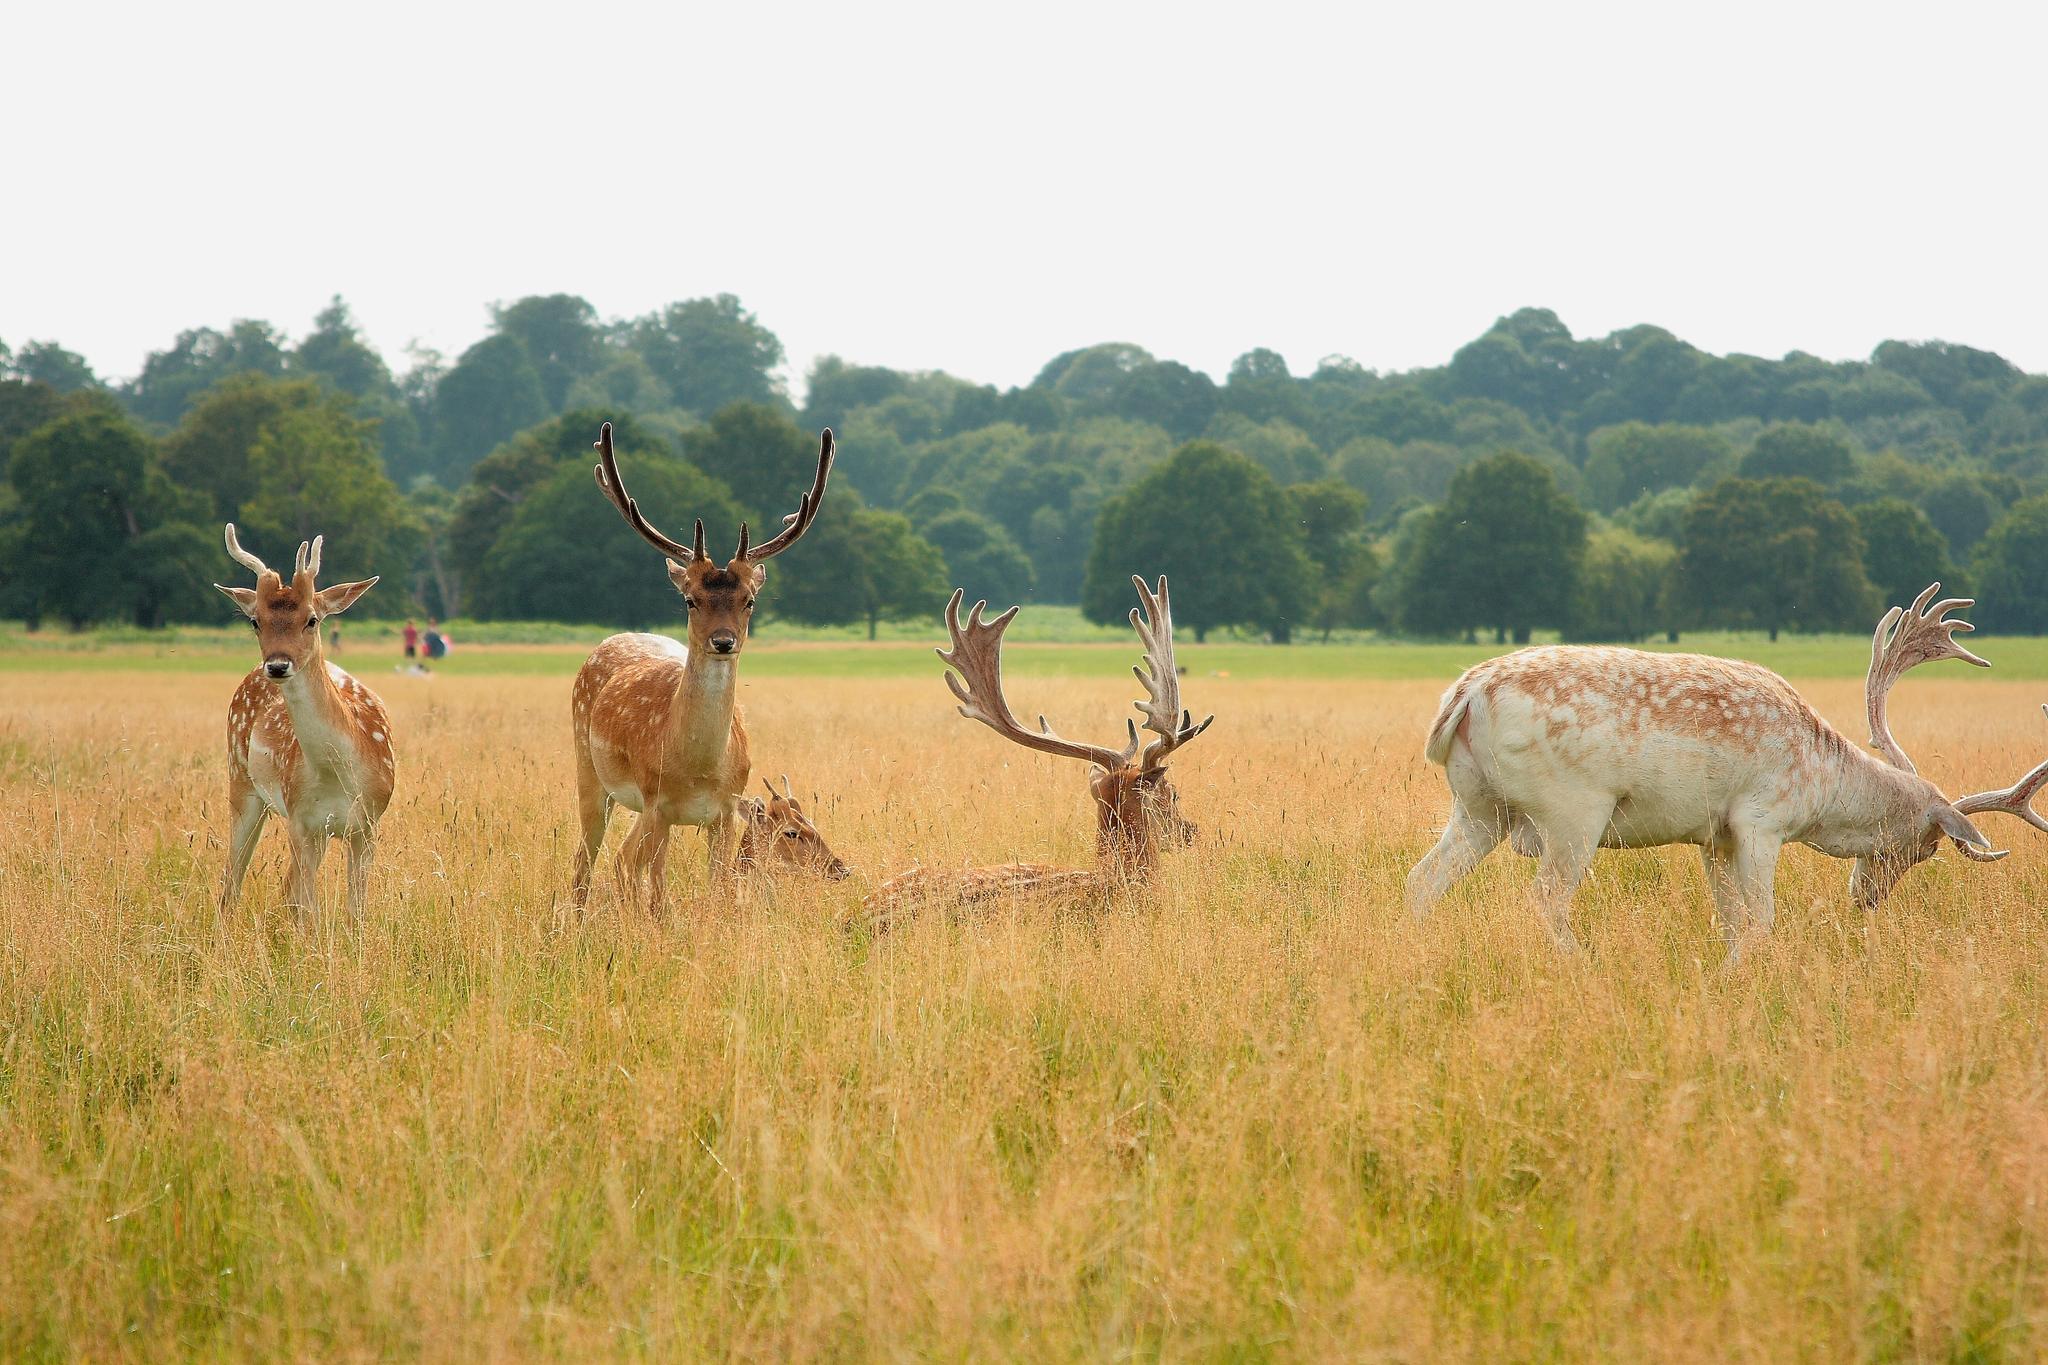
1565, 749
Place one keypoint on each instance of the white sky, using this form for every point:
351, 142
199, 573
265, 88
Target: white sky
976, 188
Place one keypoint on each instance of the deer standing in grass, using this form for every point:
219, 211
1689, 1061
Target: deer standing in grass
1137, 811
1565, 749
305, 739
656, 726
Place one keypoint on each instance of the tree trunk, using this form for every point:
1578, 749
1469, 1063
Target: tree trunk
1521, 635
1774, 632
1671, 637
1500, 635
1283, 633
873, 617
1201, 634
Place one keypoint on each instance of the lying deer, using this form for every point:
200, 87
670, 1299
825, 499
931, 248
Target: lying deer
655, 724
1137, 811
305, 739
1564, 749
779, 837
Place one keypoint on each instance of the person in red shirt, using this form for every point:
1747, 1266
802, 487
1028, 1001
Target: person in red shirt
412, 640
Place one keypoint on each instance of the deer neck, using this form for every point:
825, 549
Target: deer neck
320, 718
1866, 800
700, 718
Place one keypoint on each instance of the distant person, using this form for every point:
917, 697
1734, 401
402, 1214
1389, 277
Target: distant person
437, 643
412, 640
334, 641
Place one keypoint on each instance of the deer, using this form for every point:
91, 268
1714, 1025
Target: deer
655, 723
306, 741
777, 836
1137, 811
1565, 749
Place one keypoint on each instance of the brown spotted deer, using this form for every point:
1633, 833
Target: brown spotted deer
655, 723
778, 837
1137, 811
305, 740
1565, 749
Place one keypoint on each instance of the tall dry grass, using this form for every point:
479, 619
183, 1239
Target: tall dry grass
1258, 1113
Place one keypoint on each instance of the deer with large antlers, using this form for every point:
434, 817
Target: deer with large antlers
305, 740
656, 725
1565, 749
1136, 808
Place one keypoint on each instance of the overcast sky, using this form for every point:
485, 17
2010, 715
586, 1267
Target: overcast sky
978, 187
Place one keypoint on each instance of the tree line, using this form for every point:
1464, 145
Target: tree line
1610, 488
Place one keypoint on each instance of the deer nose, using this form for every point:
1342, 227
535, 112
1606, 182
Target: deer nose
278, 668
724, 642
839, 871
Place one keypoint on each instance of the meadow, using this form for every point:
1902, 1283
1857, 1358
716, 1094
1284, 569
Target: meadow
1254, 1113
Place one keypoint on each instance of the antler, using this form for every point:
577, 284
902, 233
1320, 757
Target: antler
614, 488
1906, 638
799, 521
2014, 800
1161, 678
307, 560
242, 556
977, 660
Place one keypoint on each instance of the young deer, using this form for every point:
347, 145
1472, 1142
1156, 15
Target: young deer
779, 837
305, 739
655, 724
1137, 811
1565, 749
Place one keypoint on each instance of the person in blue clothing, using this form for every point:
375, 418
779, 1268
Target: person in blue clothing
437, 643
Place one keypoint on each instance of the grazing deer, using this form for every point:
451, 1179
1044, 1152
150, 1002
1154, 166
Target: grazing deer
305, 739
656, 726
1564, 749
1137, 811
779, 837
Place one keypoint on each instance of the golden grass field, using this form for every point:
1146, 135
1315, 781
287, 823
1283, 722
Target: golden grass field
1256, 1113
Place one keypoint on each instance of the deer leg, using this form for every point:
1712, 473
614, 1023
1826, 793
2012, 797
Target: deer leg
309, 847
722, 837
249, 813
1728, 904
1756, 872
1466, 841
1569, 843
593, 813
654, 857
362, 851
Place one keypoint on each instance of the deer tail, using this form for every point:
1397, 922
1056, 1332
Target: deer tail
1448, 717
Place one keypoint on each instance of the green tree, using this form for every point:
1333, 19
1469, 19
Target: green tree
561, 338
45, 362
858, 564
96, 531
1623, 587
710, 353
1503, 550
314, 471
1800, 450
209, 452
491, 395
24, 405
1329, 517
1902, 552
761, 455
1220, 528
335, 353
1775, 554
1167, 394
171, 380
567, 556
1625, 462
980, 555
2012, 570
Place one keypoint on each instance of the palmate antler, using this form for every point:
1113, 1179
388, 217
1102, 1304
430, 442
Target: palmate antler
976, 659
2016, 800
793, 525
1906, 638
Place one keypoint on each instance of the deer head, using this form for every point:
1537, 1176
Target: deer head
287, 616
1906, 638
1137, 809
779, 837
719, 598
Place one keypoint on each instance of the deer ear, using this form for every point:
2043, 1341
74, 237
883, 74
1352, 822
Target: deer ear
760, 576
342, 596
679, 575
244, 598
1957, 826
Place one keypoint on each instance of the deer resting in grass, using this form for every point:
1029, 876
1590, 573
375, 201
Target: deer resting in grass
1565, 749
777, 836
655, 724
1137, 811
305, 740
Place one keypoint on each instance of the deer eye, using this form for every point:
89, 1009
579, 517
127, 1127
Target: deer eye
312, 621
689, 604
789, 834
